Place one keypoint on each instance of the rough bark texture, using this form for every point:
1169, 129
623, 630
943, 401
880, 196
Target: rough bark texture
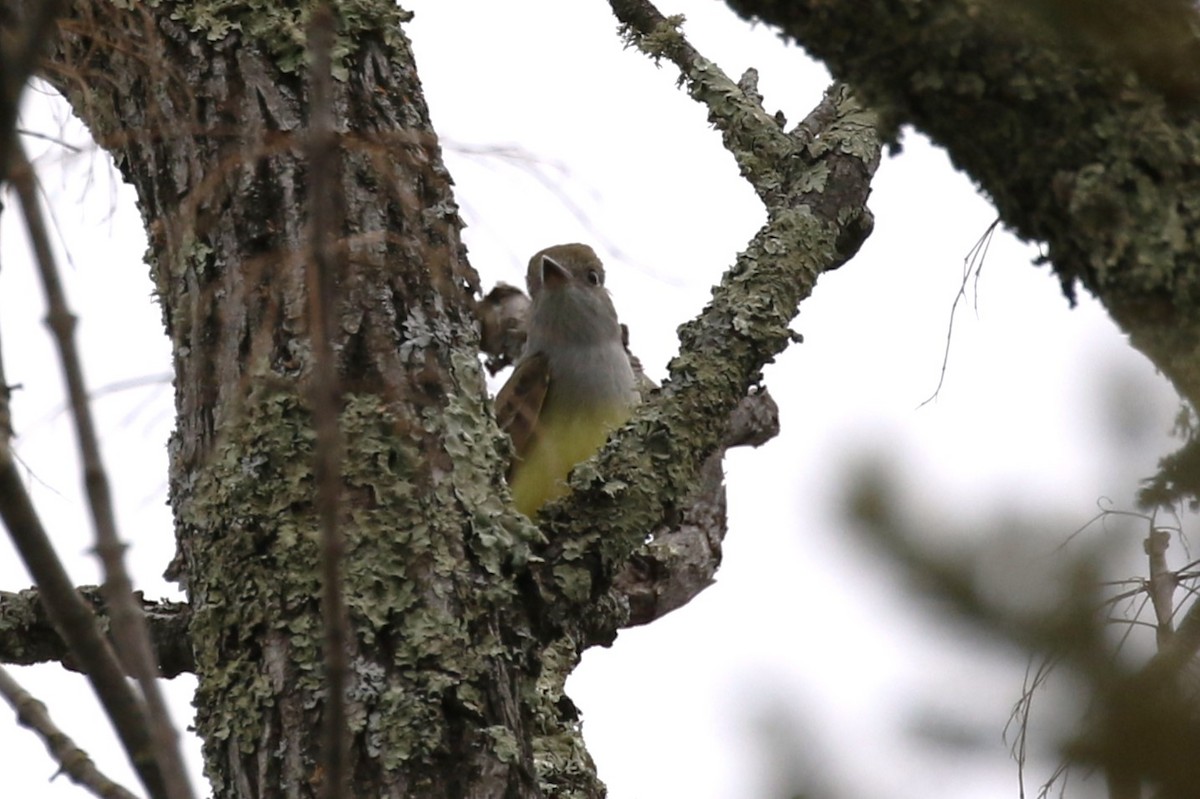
1079, 120
28, 637
681, 559
466, 619
204, 108
1076, 118
814, 181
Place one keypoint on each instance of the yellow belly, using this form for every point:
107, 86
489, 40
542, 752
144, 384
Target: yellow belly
563, 440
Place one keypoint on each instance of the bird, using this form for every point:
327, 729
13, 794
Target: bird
573, 383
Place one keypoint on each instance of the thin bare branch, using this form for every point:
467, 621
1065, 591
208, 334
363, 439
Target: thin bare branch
972, 265
68, 613
73, 761
18, 59
56, 140
77, 624
324, 223
129, 626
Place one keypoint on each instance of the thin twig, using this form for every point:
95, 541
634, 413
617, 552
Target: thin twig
324, 222
1021, 712
76, 623
972, 264
73, 761
16, 65
128, 623
33, 134
70, 615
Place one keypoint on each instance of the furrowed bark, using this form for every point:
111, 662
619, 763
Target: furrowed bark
206, 115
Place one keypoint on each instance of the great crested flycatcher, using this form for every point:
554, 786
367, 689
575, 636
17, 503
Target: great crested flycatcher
573, 383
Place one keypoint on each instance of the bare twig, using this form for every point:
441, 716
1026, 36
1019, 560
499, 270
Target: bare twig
56, 140
71, 759
17, 62
76, 623
69, 614
1018, 718
129, 626
972, 265
324, 223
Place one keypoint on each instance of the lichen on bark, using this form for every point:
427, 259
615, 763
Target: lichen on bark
1079, 128
466, 617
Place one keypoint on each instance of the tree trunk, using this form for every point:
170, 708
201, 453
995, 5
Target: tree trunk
204, 109
465, 619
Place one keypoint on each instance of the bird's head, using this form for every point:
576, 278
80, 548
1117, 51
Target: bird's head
570, 303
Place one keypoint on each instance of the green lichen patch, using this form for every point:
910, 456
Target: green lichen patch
280, 28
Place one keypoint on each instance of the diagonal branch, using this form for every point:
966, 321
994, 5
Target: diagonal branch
20, 51
814, 182
71, 759
129, 628
69, 614
754, 138
1077, 119
76, 623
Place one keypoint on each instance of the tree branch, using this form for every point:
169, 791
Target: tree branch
814, 182
20, 51
129, 627
71, 759
677, 564
28, 637
76, 624
1083, 136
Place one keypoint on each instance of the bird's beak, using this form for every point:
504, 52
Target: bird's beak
554, 274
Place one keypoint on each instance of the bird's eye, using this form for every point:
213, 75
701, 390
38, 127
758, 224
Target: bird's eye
594, 277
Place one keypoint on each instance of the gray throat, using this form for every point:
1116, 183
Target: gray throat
582, 343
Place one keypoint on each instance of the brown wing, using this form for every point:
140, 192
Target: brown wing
520, 401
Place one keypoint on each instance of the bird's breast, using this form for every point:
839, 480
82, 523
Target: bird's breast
590, 376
